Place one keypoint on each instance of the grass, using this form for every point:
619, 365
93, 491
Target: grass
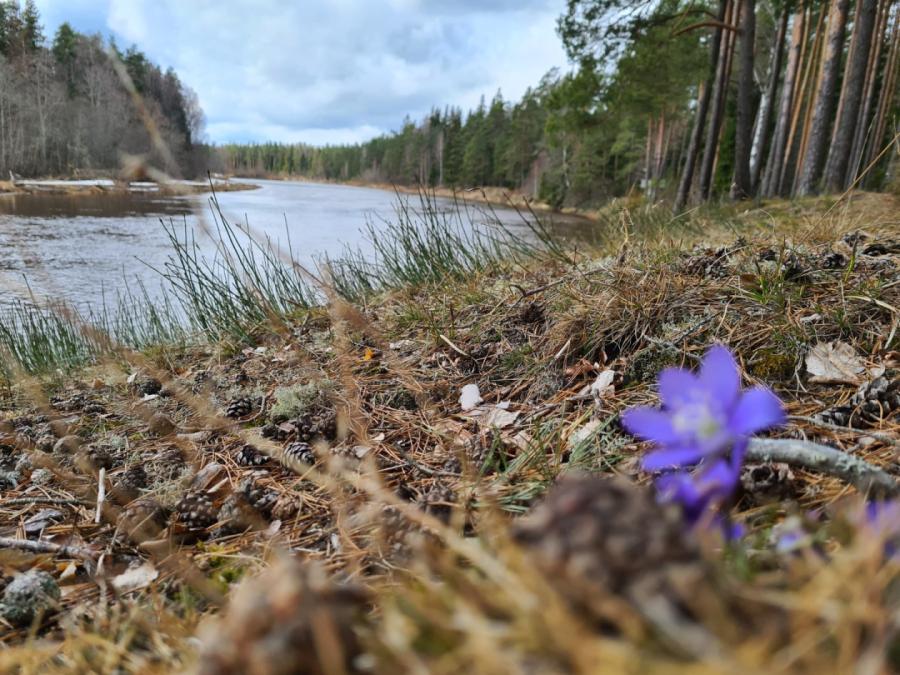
426, 244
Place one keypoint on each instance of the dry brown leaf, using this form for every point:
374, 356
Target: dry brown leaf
834, 363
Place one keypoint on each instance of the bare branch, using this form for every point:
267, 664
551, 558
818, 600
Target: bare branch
48, 547
867, 478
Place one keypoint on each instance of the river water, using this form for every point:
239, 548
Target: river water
84, 248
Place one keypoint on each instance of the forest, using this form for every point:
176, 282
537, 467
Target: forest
67, 105
671, 99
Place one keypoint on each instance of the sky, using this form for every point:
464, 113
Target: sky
329, 71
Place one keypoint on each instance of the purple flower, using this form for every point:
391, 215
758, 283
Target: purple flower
701, 433
704, 417
704, 494
701, 492
882, 519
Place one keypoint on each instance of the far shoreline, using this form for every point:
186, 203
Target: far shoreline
490, 196
78, 187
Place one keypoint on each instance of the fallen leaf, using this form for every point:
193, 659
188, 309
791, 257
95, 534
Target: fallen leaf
583, 434
135, 578
470, 397
603, 385
500, 418
834, 363
70, 571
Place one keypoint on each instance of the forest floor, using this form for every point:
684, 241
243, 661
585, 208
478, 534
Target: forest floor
327, 500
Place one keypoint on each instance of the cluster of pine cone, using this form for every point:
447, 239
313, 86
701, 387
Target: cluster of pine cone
872, 403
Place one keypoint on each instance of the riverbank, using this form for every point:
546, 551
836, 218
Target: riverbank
347, 485
54, 186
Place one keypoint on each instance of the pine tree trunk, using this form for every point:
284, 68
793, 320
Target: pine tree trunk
864, 128
720, 89
851, 97
741, 187
761, 132
820, 130
803, 108
693, 151
886, 95
775, 163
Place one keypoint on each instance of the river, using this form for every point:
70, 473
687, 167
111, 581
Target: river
84, 248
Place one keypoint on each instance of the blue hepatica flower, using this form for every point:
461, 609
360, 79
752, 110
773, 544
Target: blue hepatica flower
705, 423
882, 519
704, 417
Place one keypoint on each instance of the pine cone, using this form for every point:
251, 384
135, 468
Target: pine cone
142, 520
147, 386
247, 455
286, 506
706, 262
767, 483
273, 432
168, 464
260, 497
276, 624
248, 507
131, 482
594, 535
46, 442
236, 515
298, 452
833, 260
239, 407
194, 513
872, 403
438, 500
321, 423
98, 458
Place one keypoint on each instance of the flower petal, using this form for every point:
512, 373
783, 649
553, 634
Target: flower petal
720, 376
650, 424
676, 387
720, 479
671, 458
757, 409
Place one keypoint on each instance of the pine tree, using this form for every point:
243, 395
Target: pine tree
741, 187
32, 31
851, 97
820, 129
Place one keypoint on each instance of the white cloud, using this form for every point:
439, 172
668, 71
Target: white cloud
338, 70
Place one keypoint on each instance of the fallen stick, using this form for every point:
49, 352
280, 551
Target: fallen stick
877, 435
53, 501
865, 477
47, 547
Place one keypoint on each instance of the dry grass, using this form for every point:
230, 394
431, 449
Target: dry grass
410, 501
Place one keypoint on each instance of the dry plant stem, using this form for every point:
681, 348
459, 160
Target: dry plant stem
865, 477
47, 547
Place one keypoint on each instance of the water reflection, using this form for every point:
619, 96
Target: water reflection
88, 247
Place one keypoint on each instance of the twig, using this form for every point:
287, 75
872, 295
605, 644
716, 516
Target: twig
53, 501
101, 494
877, 435
452, 346
47, 547
867, 478
428, 471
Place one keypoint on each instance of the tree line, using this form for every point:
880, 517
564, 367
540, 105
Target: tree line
64, 108
670, 98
